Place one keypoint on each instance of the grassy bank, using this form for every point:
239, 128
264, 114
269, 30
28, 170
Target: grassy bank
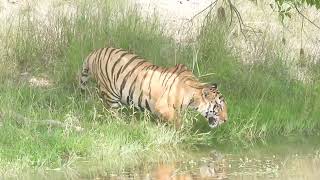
264, 98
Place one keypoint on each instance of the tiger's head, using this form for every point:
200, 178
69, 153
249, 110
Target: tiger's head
211, 104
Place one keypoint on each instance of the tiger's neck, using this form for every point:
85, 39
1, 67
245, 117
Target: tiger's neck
192, 92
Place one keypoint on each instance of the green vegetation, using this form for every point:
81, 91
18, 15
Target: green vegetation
299, 2
264, 97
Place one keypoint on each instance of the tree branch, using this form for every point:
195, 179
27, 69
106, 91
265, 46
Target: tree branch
214, 3
305, 17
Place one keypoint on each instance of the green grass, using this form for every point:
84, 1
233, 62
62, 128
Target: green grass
264, 99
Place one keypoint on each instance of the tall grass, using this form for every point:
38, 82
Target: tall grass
263, 98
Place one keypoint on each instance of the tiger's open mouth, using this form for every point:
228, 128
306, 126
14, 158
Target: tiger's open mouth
213, 122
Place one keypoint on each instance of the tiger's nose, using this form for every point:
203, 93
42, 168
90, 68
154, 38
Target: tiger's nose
223, 118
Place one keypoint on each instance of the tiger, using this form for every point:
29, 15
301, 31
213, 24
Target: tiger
124, 78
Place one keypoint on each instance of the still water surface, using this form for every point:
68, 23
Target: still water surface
289, 158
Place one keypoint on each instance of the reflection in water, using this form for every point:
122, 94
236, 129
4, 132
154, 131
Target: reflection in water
276, 161
163, 172
283, 163
213, 166
212, 169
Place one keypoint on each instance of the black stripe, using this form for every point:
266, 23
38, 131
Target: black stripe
163, 71
120, 50
110, 99
139, 101
178, 68
170, 76
141, 83
100, 71
112, 102
165, 77
109, 89
151, 81
112, 90
101, 61
129, 62
125, 79
121, 69
117, 61
191, 101
109, 56
95, 62
181, 103
89, 56
214, 106
131, 90
175, 79
145, 75
133, 87
98, 57
128, 100
147, 105
118, 74
146, 68
105, 95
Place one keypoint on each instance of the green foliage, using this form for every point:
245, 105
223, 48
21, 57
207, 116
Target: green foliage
263, 99
315, 3
285, 7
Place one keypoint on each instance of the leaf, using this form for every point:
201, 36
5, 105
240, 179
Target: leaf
288, 9
272, 7
288, 14
280, 3
281, 17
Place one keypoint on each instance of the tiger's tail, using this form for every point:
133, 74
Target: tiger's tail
84, 76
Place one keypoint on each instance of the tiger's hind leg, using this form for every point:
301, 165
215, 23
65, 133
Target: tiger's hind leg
111, 105
107, 101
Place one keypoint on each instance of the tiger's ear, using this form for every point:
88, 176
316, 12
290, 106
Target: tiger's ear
214, 86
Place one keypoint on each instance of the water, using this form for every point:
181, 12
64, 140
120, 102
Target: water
289, 158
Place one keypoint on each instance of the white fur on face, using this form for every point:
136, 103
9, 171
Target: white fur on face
211, 110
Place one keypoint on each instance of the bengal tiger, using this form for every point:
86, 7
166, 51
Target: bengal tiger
126, 78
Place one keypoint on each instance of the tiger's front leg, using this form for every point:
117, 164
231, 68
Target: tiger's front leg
169, 115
